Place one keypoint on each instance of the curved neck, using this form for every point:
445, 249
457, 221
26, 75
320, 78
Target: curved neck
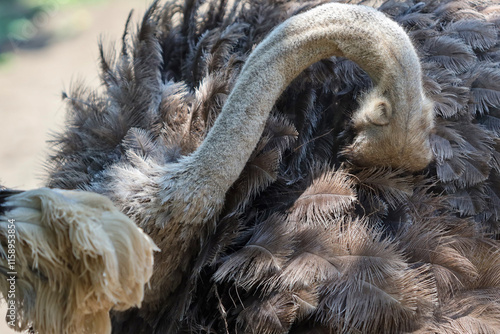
358, 33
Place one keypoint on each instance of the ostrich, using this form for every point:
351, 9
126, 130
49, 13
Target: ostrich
303, 167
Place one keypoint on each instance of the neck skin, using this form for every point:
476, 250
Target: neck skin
358, 33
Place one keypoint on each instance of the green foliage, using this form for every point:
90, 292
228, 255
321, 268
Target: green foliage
21, 20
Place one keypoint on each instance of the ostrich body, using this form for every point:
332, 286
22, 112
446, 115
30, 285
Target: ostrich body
288, 190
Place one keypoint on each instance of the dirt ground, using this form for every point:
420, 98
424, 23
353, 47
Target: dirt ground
32, 81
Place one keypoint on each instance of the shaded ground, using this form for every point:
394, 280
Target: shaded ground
31, 82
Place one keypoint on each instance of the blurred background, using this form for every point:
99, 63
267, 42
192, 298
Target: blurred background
44, 46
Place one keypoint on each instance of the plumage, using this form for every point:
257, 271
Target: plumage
307, 237
75, 252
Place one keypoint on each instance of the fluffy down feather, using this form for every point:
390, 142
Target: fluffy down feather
76, 257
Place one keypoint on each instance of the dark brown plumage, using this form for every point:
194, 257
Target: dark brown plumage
306, 241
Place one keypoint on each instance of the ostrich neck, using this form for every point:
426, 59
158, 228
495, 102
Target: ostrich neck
358, 33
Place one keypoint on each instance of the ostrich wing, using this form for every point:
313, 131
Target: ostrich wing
73, 256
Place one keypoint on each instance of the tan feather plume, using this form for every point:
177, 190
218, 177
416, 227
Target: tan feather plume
77, 257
